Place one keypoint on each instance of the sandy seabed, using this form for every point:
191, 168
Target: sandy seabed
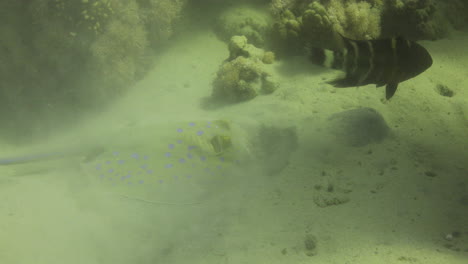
404, 200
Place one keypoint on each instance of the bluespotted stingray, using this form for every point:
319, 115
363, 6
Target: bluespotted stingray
172, 164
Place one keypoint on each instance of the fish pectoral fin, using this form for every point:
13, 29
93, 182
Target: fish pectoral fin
379, 84
390, 90
342, 83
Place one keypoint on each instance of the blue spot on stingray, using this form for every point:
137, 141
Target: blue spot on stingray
191, 147
108, 162
202, 158
180, 130
221, 159
121, 161
111, 170
189, 155
129, 183
160, 181
182, 160
179, 141
149, 171
191, 124
144, 166
115, 153
167, 154
167, 166
141, 181
145, 157
188, 176
135, 155
171, 146
218, 167
98, 167
200, 132
101, 176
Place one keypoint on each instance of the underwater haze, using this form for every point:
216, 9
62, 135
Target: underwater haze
262, 131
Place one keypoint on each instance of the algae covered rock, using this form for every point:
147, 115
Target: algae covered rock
238, 46
358, 127
237, 80
244, 75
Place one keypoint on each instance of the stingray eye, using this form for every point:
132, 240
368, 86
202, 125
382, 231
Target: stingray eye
221, 143
222, 124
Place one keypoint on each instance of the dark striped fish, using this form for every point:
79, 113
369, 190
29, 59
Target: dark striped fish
380, 62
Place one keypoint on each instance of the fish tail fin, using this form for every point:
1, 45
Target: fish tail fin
342, 83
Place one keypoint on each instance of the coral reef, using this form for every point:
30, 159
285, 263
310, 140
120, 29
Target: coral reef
244, 75
252, 22
120, 53
268, 57
415, 19
159, 17
357, 19
319, 27
457, 13
316, 22
63, 56
117, 54
289, 25
311, 21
